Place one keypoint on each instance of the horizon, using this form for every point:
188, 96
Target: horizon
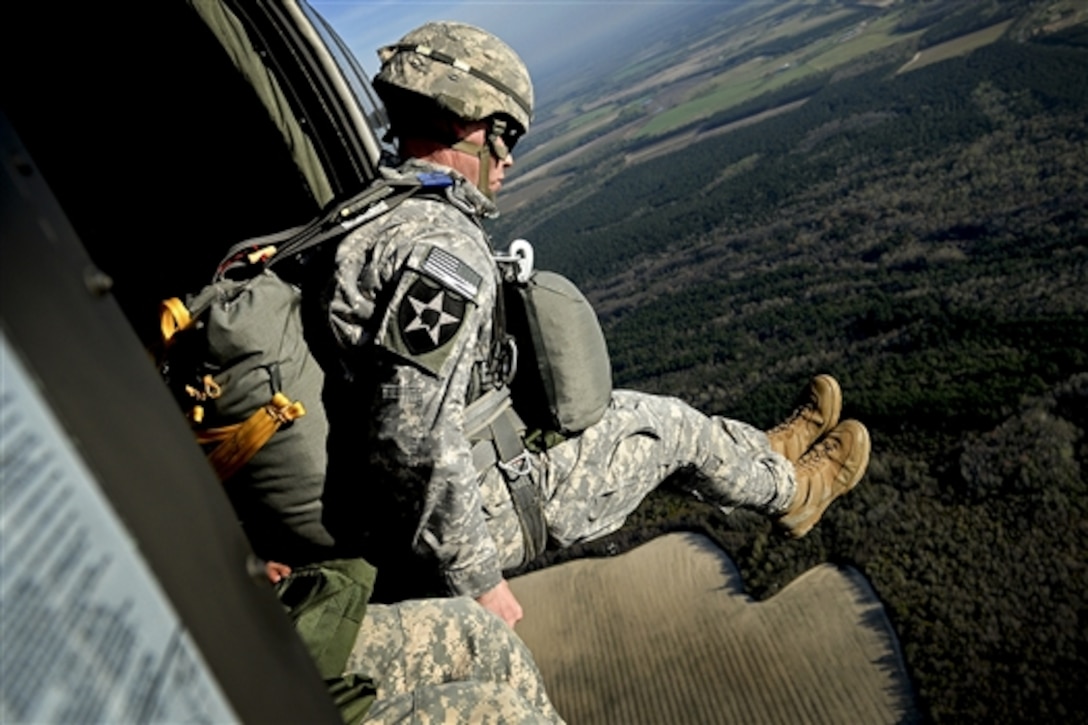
546, 34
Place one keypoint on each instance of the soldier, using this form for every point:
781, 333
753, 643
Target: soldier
414, 309
442, 656
421, 660
413, 661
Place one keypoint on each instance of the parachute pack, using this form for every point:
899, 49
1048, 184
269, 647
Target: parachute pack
564, 377
235, 357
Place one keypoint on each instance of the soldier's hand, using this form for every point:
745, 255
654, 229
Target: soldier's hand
276, 571
501, 601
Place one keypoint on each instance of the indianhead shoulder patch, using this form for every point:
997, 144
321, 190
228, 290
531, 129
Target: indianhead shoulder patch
429, 316
431, 303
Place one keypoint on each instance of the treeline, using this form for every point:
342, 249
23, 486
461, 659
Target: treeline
923, 237
1075, 36
943, 20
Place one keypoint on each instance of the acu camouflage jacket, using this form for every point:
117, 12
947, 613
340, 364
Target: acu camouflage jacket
413, 302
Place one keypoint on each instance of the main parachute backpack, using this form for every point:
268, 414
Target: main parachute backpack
236, 360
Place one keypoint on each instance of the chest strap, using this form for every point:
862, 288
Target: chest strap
496, 433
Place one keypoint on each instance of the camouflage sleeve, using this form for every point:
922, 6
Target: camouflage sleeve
415, 651
437, 325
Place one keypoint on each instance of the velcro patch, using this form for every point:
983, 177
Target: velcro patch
429, 316
452, 272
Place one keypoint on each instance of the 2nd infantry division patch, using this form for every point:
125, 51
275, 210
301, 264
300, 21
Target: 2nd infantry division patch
429, 316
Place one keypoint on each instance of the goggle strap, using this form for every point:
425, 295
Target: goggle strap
483, 153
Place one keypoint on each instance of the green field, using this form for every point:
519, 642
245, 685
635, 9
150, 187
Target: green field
723, 98
766, 53
957, 47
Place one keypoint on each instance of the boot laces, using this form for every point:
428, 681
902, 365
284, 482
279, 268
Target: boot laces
798, 414
820, 451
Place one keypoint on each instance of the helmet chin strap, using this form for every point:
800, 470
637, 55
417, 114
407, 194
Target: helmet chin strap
482, 152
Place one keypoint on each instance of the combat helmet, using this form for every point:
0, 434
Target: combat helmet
462, 68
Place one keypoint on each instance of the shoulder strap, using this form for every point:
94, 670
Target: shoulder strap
380, 198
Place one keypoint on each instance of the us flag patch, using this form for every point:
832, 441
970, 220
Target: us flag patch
451, 271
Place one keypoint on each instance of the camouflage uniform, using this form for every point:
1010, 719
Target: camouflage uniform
592, 482
429, 658
417, 660
412, 310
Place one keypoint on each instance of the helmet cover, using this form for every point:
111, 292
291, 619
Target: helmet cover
464, 69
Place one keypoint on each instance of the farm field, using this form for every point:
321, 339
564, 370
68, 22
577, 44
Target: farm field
953, 48
772, 72
655, 101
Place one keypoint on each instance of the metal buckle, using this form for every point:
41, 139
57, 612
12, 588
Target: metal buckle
521, 255
518, 466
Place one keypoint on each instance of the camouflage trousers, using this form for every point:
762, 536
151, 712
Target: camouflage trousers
591, 483
447, 660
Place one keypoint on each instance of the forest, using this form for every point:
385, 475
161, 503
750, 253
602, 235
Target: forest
922, 236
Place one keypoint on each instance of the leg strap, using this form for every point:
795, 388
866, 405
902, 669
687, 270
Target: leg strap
500, 444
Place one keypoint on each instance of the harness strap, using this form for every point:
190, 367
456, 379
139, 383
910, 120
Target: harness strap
379, 198
496, 429
480, 412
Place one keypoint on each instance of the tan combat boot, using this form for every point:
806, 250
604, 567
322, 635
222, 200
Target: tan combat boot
817, 412
831, 468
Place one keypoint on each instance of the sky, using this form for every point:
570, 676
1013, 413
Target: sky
543, 32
